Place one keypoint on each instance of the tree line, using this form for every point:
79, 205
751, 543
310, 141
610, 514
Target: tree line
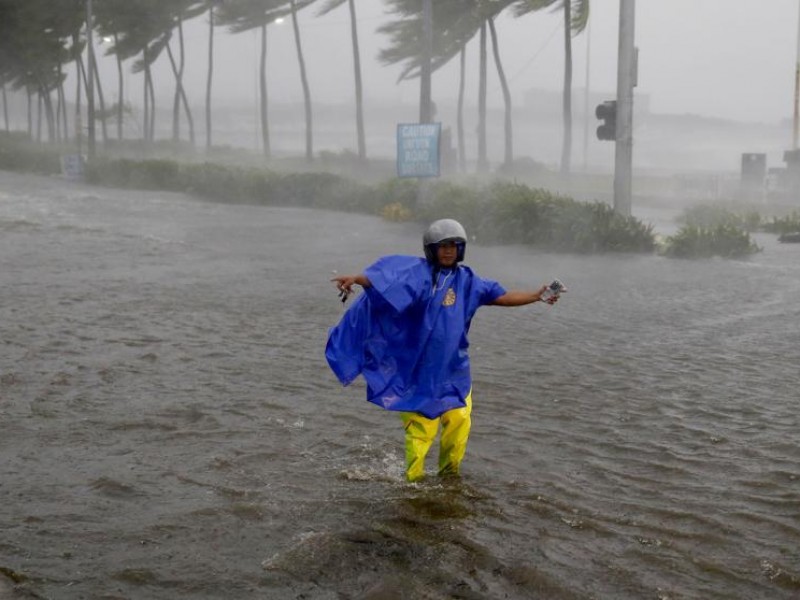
41, 40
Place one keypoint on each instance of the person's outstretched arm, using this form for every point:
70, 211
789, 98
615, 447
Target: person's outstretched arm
344, 283
521, 297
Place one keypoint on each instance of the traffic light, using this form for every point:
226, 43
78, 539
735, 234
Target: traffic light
607, 112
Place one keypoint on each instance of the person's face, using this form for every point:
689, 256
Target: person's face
447, 253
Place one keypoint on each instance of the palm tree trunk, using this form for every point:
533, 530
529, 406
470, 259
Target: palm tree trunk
49, 115
362, 144
566, 149
5, 106
462, 158
210, 74
180, 96
78, 125
82, 81
304, 81
176, 99
64, 116
508, 156
425, 87
182, 62
181, 88
146, 101
59, 104
150, 102
483, 163
39, 117
120, 89
30, 113
263, 93
101, 99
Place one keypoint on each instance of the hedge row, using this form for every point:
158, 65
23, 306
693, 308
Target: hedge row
493, 213
497, 212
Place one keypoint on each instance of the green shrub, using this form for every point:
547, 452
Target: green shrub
709, 216
19, 153
448, 200
154, 174
498, 212
726, 241
395, 191
781, 225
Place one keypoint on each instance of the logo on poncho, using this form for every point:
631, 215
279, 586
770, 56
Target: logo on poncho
449, 298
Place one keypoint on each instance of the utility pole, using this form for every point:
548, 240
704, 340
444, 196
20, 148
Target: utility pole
626, 80
90, 81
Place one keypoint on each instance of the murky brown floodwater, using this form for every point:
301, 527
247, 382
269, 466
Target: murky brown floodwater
170, 428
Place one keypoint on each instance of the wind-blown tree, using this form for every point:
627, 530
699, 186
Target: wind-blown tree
462, 68
576, 17
294, 6
102, 115
5, 104
454, 25
131, 27
182, 10
33, 43
139, 28
456, 22
360, 134
508, 154
210, 6
246, 15
107, 26
145, 27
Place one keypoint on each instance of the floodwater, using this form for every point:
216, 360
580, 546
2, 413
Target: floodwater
170, 428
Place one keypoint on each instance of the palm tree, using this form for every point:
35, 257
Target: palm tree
143, 27
462, 158
116, 21
293, 8
211, 5
457, 22
360, 135
576, 17
32, 46
508, 155
182, 10
246, 15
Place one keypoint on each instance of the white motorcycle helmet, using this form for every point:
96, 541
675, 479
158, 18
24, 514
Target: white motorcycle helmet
444, 230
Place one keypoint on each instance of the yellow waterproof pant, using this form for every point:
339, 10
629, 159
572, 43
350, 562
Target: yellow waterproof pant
421, 433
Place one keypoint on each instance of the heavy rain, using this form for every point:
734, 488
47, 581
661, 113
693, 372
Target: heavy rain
181, 180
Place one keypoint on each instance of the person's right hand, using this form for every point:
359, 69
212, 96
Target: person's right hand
344, 283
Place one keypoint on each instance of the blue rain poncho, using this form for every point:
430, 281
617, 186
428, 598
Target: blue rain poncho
407, 335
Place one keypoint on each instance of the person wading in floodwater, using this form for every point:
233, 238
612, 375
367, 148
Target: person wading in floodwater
407, 335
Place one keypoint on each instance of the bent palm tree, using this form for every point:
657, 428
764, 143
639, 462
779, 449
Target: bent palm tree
247, 15
294, 6
361, 139
456, 23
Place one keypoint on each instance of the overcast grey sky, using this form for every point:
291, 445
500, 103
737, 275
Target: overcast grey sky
726, 58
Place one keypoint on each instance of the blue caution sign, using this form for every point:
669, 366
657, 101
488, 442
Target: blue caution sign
72, 166
418, 149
